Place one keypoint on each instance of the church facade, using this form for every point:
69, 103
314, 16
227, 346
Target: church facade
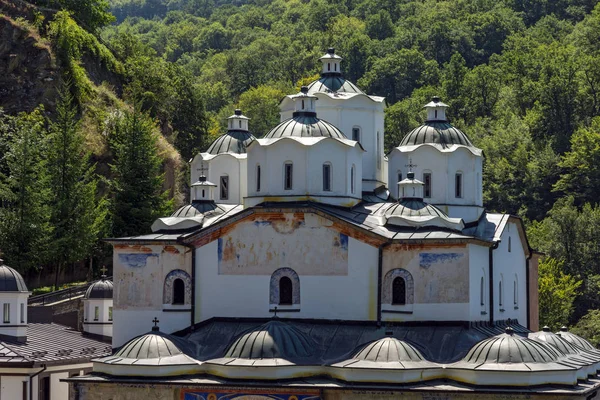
311, 265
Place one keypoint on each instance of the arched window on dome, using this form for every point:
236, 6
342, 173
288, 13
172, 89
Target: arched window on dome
427, 184
328, 66
516, 292
482, 291
501, 293
378, 151
509, 245
288, 172
458, 185
224, 181
285, 291
327, 177
356, 133
178, 292
258, 178
399, 291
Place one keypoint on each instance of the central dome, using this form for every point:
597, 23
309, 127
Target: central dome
305, 126
102, 289
231, 142
11, 280
387, 350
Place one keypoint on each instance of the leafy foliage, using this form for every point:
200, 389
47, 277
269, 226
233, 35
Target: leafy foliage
557, 294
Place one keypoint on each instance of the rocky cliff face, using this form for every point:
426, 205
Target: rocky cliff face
27, 68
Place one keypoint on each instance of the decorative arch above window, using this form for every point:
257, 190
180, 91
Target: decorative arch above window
388, 286
278, 283
169, 286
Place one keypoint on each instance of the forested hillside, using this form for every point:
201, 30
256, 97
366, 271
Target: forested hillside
522, 78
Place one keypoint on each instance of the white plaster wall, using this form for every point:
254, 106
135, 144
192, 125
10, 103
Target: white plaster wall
139, 275
479, 267
11, 387
443, 167
351, 296
59, 390
510, 265
15, 326
428, 312
226, 164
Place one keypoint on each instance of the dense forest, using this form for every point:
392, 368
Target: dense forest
148, 83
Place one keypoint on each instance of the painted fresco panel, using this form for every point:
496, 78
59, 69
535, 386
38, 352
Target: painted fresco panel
303, 242
192, 394
441, 275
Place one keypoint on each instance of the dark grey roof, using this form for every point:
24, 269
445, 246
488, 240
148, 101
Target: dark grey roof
275, 339
155, 344
389, 349
333, 83
441, 133
335, 341
546, 336
574, 339
233, 141
11, 280
199, 208
102, 289
414, 208
511, 348
305, 126
48, 343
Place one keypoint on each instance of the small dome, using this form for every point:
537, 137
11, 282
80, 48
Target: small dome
389, 349
440, 133
305, 126
511, 348
416, 213
274, 339
102, 289
231, 142
574, 339
196, 209
333, 83
11, 280
546, 336
154, 345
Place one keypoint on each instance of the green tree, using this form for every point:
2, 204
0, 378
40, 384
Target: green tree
92, 14
137, 194
557, 292
77, 217
261, 104
380, 26
25, 228
588, 327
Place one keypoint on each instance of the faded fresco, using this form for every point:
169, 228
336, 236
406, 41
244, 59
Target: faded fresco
251, 395
303, 242
439, 275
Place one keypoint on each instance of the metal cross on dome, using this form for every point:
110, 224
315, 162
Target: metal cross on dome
202, 169
410, 164
155, 321
103, 270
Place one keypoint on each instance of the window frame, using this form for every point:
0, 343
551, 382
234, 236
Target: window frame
352, 179
288, 175
258, 177
96, 313
327, 172
178, 294
22, 306
458, 185
358, 131
6, 313
396, 296
427, 185
289, 293
224, 187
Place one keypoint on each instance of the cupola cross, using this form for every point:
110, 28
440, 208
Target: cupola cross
410, 164
155, 321
103, 270
202, 169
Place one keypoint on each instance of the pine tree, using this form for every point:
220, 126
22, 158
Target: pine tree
25, 228
138, 196
77, 216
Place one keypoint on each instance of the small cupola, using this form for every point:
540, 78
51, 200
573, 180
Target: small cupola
331, 63
410, 188
304, 104
237, 122
436, 110
13, 296
202, 190
98, 308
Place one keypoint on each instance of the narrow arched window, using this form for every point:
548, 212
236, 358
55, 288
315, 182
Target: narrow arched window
436, 114
427, 186
509, 245
482, 292
515, 297
285, 291
328, 66
352, 179
458, 192
178, 291
378, 151
399, 291
258, 178
224, 180
240, 123
335, 67
500, 293
303, 104
356, 134
288, 175
326, 177
399, 180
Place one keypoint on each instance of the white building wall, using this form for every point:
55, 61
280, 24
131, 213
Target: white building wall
101, 326
352, 296
11, 387
479, 268
509, 266
59, 390
17, 302
139, 275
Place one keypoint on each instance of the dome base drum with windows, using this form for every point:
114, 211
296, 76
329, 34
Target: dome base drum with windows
311, 265
98, 309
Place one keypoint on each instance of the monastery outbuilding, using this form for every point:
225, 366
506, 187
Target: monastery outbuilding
310, 265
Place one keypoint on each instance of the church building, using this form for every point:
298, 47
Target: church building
310, 265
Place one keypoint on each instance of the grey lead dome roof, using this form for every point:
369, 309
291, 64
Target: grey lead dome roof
234, 141
102, 289
305, 125
153, 345
436, 132
389, 349
274, 339
574, 339
333, 83
11, 280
